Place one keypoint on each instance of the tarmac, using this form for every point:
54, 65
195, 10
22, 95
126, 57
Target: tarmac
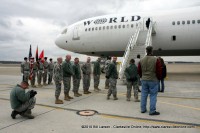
179, 106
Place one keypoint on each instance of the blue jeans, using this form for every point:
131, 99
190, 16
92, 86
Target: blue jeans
162, 85
149, 87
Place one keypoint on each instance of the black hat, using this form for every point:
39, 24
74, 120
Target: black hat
45, 57
50, 59
25, 58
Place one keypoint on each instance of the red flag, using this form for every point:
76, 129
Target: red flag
36, 54
42, 56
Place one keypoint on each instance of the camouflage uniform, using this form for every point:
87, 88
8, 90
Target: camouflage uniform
50, 72
96, 74
86, 69
25, 70
40, 72
46, 65
67, 73
106, 69
112, 74
132, 81
58, 78
76, 77
35, 69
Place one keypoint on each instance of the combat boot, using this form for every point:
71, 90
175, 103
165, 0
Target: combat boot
27, 114
66, 98
108, 97
136, 99
79, 94
96, 89
85, 92
69, 96
115, 97
58, 101
106, 87
76, 94
14, 113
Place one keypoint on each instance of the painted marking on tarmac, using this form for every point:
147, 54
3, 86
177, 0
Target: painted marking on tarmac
155, 121
179, 105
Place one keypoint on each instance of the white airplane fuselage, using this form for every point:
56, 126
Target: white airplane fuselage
177, 33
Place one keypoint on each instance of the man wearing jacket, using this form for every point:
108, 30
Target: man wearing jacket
22, 102
150, 71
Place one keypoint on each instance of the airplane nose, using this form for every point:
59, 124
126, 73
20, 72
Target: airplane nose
59, 41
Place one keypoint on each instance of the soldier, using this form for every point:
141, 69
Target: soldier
106, 69
50, 71
96, 74
67, 73
132, 80
112, 75
34, 66
46, 65
86, 69
58, 78
21, 101
25, 70
40, 72
76, 77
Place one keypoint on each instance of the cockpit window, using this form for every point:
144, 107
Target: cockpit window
64, 31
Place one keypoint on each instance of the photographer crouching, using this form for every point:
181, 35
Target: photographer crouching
22, 102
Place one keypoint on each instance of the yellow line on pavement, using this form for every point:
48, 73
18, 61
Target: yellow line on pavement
179, 105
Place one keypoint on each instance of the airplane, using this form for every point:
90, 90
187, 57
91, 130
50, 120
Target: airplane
176, 33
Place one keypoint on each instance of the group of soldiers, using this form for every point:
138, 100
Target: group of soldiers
30, 69
64, 70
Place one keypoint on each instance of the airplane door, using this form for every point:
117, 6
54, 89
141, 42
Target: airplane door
76, 33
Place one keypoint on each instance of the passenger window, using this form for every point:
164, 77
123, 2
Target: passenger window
92, 29
86, 29
178, 23
119, 26
123, 26
193, 21
103, 27
89, 29
132, 25
136, 24
173, 23
127, 25
198, 21
183, 22
111, 27
115, 26
96, 28
107, 27
188, 22
99, 28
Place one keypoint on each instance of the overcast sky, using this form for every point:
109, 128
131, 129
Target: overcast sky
38, 22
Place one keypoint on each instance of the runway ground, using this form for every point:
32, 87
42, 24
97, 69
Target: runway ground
179, 107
